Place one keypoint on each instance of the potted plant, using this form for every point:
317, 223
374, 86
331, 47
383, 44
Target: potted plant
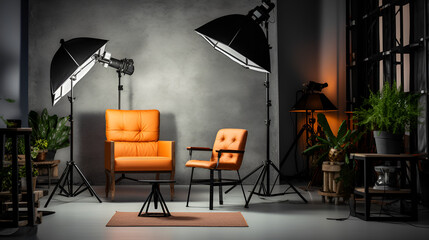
389, 114
335, 148
50, 127
22, 175
39, 149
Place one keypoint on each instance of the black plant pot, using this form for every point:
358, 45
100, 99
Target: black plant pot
388, 143
50, 156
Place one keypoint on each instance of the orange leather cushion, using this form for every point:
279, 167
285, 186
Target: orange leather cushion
132, 125
133, 149
143, 164
232, 139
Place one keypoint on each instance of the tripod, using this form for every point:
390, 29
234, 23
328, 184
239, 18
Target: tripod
66, 180
263, 180
308, 127
265, 188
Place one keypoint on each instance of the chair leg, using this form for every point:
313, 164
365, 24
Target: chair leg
107, 183
241, 183
211, 189
172, 186
189, 189
112, 184
220, 187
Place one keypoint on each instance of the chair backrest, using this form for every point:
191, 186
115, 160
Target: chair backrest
230, 139
135, 132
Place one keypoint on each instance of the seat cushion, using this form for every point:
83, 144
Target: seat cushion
212, 165
147, 164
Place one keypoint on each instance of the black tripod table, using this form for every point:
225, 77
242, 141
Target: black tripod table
157, 198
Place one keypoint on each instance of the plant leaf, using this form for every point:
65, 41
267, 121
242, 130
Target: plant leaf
321, 119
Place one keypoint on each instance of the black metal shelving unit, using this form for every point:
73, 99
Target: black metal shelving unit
387, 40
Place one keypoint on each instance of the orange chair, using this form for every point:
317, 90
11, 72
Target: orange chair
227, 154
132, 146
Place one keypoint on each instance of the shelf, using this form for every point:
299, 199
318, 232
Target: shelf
372, 191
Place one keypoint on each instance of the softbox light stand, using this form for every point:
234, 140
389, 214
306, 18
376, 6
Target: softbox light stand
66, 181
264, 178
70, 64
241, 38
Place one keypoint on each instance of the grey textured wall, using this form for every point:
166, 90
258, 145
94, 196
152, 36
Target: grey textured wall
196, 89
310, 49
13, 85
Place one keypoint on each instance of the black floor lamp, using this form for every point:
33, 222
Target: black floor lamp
312, 100
241, 38
70, 64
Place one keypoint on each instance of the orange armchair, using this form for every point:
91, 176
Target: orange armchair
227, 154
132, 146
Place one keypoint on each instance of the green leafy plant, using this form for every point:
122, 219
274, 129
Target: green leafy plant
34, 172
20, 145
330, 145
50, 127
41, 144
391, 110
6, 178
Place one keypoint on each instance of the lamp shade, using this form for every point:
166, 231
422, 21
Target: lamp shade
241, 39
317, 102
71, 62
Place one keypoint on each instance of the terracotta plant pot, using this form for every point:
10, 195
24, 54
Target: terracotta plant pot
41, 156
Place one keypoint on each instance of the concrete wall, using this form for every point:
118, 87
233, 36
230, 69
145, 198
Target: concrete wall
13, 81
312, 48
196, 89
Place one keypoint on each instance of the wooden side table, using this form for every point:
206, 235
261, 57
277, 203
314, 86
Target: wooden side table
407, 191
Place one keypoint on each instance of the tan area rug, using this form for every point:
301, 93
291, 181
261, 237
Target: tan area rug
179, 219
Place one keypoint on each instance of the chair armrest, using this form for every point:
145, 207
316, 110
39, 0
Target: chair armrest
167, 149
229, 151
199, 149
220, 151
109, 155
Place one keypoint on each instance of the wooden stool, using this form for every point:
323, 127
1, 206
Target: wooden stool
331, 189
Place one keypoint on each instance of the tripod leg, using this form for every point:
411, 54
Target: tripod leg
65, 181
86, 182
254, 187
245, 177
261, 185
241, 184
290, 184
298, 136
56, 186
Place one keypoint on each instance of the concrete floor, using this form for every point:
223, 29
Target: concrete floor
282, 217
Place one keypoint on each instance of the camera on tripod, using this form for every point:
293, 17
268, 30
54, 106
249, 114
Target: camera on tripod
314, 86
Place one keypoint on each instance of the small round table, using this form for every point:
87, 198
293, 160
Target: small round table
157, 197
